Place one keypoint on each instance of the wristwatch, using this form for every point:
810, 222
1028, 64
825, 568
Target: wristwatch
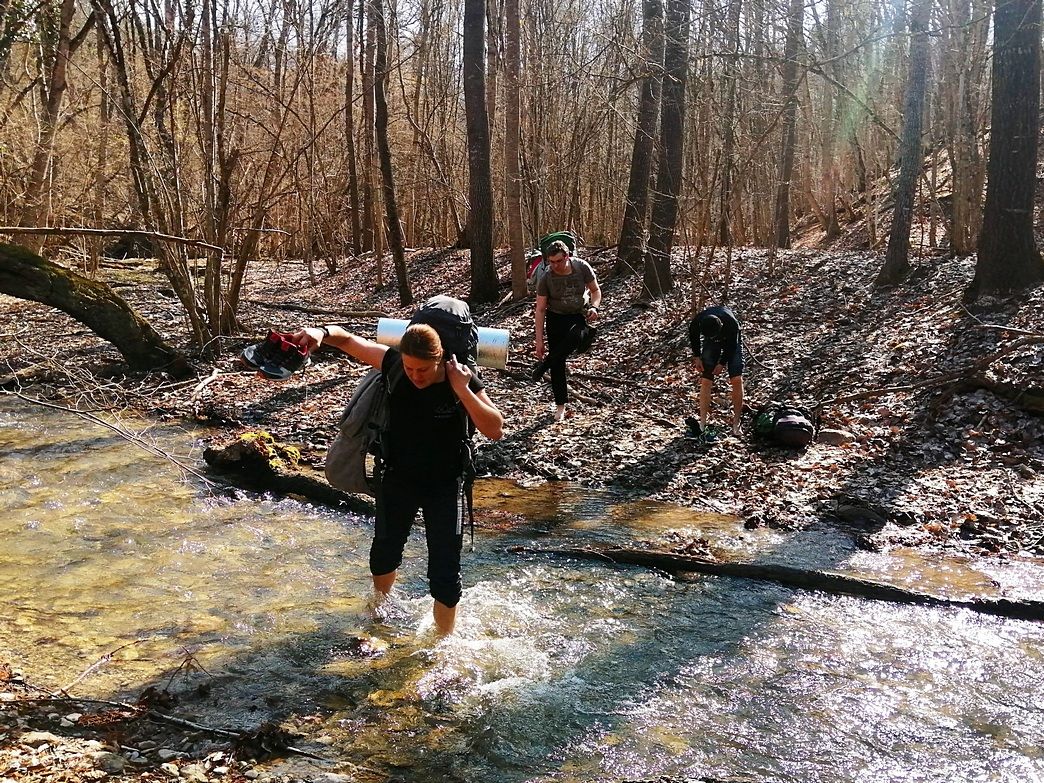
326, 332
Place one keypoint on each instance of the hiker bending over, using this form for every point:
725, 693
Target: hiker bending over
717, 342
563, 316
422, 455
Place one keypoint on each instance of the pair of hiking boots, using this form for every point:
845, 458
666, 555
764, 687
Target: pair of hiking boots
275, 357
707, 435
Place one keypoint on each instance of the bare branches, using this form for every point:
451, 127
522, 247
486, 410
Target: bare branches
99, 232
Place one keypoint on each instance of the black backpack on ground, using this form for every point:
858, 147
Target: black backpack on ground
783, 424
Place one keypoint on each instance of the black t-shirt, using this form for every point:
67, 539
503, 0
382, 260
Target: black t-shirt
426, 426
727, 339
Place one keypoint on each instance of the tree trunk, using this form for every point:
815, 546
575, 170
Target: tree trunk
391, 207
28, 276
1008, 256
643, 153
728, 146
35, 211
801, 578
512, 175
795, 27
657, 280
480, 179
831, 124
349, 132
104, 115
159, 202
897, 259
964, 46
371, 233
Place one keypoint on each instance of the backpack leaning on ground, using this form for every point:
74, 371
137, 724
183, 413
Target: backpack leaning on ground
365, 418
784, 425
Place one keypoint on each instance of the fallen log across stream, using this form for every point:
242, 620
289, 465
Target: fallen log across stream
802, 578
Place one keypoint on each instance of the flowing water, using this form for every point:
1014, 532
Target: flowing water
560, 670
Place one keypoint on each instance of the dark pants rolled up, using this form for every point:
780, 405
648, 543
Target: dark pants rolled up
566, 334
442, 504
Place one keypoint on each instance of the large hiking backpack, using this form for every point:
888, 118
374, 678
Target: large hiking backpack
365, 417
451, 318
536, 263
784, 425
362, 425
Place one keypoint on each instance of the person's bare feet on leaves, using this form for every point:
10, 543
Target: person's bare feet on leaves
560, 414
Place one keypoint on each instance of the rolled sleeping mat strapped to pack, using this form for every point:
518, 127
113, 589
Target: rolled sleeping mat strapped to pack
493, 344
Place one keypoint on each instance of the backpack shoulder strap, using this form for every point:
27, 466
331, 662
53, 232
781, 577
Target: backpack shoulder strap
393, 373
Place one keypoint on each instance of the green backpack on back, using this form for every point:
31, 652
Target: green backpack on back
536, 264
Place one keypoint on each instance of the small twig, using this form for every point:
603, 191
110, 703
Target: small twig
97, 664
202, 385
188, 660
938, 380
584, 398
260, 230
159, 717
1015, 494
982, 324
615, 380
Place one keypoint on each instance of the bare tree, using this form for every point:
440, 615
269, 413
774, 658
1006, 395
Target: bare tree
897, 261
372, 236
352, 190
964, 55
57, 44
643, 152
791, 52
728, 117
512, 173
480, 189
657, 279
391, 207
1008, 256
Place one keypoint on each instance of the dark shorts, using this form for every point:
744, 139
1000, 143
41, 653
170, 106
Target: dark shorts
713, 355
444, 510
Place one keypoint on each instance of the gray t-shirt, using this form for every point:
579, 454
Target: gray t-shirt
565, 293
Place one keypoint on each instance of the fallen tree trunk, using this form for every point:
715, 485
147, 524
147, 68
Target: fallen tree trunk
25, 275
256, 462
804, 579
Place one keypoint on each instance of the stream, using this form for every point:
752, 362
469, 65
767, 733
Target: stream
560, 670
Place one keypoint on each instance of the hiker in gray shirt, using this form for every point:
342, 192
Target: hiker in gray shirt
565, 315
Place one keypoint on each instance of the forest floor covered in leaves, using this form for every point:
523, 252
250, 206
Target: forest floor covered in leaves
934, 413
934, 410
